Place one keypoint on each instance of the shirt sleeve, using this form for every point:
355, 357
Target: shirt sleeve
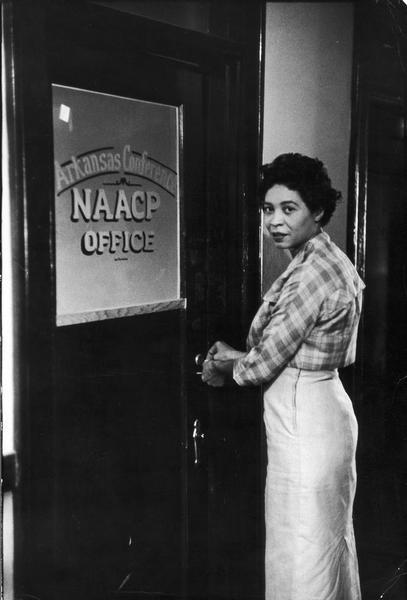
292, 319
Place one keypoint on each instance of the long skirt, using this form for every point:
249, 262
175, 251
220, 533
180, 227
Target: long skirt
310, 487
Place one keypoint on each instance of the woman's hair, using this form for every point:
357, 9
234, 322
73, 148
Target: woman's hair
306, 176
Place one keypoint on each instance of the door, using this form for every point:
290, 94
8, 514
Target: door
135, 479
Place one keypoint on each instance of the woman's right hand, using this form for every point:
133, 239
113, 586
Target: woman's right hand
221, 351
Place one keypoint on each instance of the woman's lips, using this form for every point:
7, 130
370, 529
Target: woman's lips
278, 237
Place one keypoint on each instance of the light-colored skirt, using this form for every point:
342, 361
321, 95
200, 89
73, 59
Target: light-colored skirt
311, 479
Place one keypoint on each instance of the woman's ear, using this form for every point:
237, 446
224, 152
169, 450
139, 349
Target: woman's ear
318, 216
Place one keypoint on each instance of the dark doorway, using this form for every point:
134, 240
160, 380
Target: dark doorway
379, 245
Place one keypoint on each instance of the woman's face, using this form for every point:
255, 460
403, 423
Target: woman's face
288, 219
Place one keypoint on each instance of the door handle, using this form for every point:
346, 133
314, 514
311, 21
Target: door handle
196, 436
199, 361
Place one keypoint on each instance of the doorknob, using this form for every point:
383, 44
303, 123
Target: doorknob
196, 436
199, 361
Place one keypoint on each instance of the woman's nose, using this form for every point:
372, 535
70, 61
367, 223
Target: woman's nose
274, 218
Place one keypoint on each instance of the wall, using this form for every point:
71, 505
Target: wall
307, 104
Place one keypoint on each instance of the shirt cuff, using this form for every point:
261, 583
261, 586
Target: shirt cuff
237, 371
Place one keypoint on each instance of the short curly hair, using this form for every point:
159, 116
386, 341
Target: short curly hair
306, 176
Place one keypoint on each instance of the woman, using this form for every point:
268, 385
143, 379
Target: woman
303, 332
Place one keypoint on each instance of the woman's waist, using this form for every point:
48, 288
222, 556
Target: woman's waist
298, 372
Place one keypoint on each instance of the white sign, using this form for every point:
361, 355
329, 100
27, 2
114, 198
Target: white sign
117, 213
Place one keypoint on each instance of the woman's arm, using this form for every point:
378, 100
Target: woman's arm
219, 363
293, 318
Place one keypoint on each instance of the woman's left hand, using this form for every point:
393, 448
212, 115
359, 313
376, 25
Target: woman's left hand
211, 375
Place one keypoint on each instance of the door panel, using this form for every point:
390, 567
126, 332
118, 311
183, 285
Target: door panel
114, 500
119, 484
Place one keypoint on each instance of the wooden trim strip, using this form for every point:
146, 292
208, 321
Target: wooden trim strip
9, 472
118, 313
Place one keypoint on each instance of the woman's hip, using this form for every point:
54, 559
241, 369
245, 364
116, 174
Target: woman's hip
310, 425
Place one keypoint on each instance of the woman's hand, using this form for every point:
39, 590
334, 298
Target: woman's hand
220, 351
211, 375
221, 357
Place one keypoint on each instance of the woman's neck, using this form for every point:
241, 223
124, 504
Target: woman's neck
294, 251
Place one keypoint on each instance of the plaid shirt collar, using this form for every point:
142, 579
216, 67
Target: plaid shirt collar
321, 240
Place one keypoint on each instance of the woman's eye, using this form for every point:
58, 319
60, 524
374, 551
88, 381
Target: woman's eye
267, 209
288, 210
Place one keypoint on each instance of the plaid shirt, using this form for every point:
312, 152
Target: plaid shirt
309, 316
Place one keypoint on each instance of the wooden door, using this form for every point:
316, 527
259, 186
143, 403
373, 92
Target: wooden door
135, 479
